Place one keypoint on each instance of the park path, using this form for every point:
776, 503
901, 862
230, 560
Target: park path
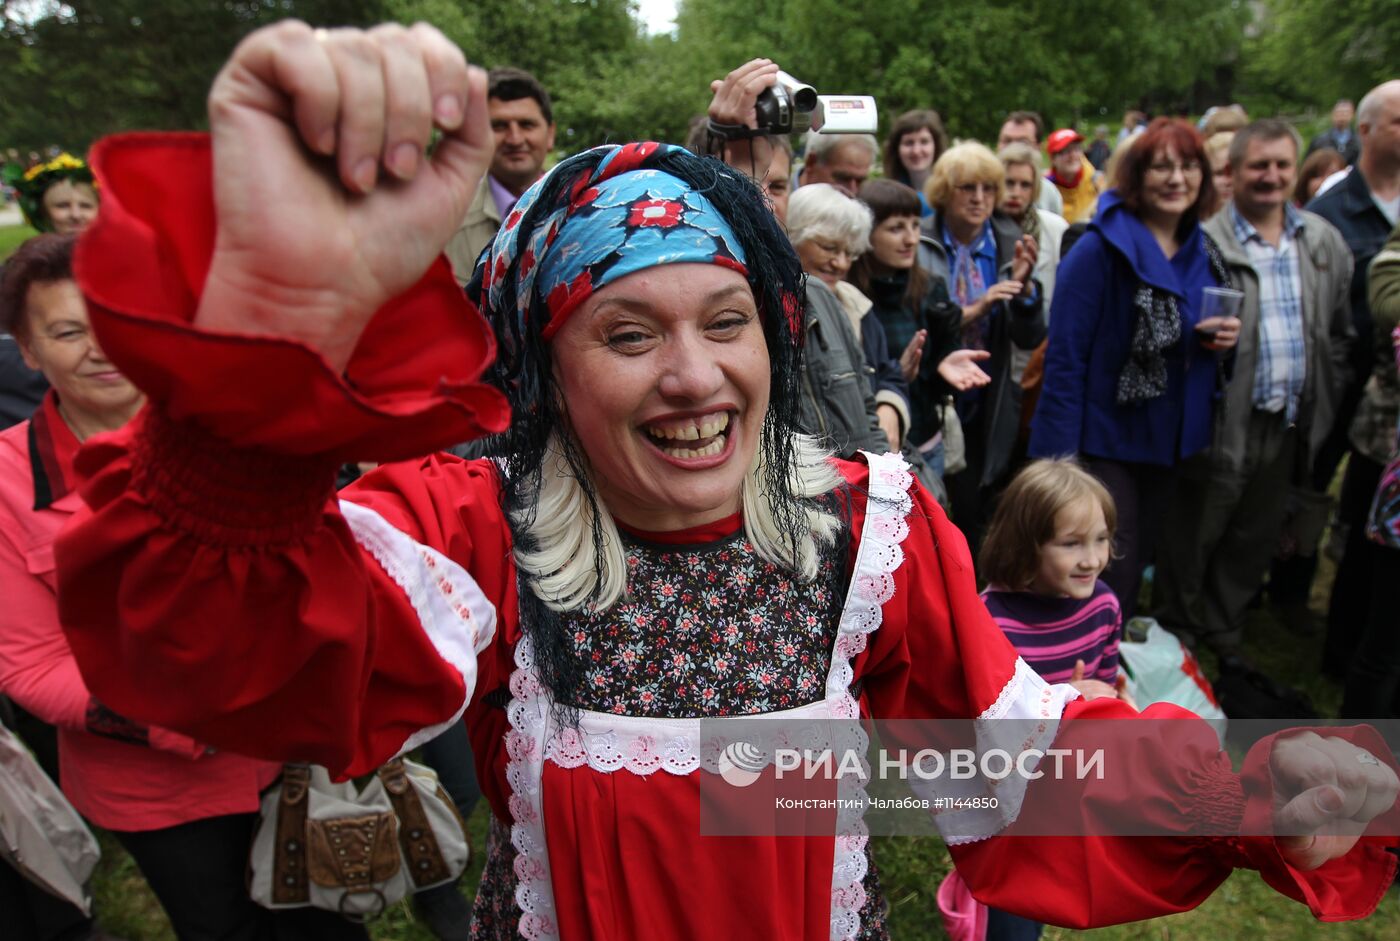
10, 215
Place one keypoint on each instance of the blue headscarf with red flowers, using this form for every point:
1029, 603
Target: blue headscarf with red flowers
618, 219
596, 217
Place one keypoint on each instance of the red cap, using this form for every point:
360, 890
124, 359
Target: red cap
1061, 139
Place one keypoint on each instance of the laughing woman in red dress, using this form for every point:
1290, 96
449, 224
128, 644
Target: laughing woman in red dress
658, 546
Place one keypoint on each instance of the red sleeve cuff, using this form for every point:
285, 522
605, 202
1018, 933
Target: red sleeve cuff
221, 495
1342, 890
410, 388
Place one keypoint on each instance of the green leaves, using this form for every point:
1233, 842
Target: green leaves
109, 65
1311, 52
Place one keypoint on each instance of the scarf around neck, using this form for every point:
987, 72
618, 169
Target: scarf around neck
1156, 329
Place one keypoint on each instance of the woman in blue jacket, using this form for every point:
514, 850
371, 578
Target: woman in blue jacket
1131, 367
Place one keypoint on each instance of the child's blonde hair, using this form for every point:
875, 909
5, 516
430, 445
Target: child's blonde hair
1025, 518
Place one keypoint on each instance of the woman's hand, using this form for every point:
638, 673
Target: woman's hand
327, 205
1001, 291
1219, 333
1326, 790
913, 355
1023, 264
734, 102
960, 370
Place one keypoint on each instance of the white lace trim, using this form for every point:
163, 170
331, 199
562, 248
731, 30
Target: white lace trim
1025, 716
451, 607
529, 714
878, 557
641, 745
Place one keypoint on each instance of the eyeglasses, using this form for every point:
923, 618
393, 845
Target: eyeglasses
1168, 170
972, 189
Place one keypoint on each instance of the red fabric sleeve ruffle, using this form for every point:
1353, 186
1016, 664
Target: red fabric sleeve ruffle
938, 654
410, 388
213, 587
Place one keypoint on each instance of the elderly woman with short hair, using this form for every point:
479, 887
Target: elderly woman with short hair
829, 230
656, 550
988, 263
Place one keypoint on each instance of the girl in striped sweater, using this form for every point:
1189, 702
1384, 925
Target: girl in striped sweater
1047, 545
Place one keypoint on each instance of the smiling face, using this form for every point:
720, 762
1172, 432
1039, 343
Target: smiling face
664, 375
523, 141
1020, 189
1263, 181
1068, 161
826, 258
1070, 563
894, 243
59, 342
70, 206
916, 150
1170, 186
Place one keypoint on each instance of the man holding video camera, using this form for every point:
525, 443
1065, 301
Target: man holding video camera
749, 118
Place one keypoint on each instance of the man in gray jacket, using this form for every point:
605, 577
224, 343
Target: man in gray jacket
1290, 369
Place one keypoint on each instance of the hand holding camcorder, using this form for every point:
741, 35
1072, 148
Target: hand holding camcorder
793, 107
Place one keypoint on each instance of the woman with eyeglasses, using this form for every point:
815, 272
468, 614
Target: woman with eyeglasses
1131, 367
988, 264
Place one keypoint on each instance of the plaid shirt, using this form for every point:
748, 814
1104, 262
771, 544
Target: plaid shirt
1281, 365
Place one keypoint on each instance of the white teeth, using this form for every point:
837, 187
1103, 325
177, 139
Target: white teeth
689, 454
707, 428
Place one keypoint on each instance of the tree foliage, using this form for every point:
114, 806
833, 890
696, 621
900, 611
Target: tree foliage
974, 60
91, 67
1311, 52
73, 71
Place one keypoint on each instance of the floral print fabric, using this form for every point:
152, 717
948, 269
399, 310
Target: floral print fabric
619, 219
709, 630
705, 630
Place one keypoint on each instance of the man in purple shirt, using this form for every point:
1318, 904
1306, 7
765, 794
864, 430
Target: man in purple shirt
523, 121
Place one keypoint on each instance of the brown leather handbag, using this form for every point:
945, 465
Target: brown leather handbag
355, 851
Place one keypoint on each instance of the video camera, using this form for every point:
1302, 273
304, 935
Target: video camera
793, 107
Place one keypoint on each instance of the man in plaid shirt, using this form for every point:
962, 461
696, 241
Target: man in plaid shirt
1289, 371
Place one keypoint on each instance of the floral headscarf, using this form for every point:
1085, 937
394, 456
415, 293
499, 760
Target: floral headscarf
620, 219
612, 211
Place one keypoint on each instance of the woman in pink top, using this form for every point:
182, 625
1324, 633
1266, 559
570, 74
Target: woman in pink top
185, 813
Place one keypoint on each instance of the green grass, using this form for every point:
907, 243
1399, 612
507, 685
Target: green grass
12, 236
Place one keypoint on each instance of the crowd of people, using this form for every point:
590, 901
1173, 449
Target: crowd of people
1092, 364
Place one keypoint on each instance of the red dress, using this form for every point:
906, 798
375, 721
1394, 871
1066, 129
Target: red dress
218, 562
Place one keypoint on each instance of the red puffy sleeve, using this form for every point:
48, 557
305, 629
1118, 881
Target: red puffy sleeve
215, 584
1162, 826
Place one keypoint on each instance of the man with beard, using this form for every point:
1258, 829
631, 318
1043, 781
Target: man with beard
1290, 370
